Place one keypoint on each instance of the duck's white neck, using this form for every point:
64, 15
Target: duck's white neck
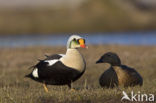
74, 59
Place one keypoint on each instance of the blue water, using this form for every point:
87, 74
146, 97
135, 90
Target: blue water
130, 38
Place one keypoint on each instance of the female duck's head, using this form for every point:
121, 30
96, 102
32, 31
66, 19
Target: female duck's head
75, 41
110, 58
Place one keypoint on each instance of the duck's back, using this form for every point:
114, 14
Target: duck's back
128, 76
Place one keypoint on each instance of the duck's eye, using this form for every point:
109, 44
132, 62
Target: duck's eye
74, 39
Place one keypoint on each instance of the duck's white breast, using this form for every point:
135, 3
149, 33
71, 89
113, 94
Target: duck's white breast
74, 59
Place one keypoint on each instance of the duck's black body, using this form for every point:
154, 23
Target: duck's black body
57, 74
118, 74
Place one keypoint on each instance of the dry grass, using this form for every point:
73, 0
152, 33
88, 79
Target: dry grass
14, 63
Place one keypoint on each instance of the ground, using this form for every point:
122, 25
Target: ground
15, 88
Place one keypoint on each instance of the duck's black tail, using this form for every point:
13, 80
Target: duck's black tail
28, 76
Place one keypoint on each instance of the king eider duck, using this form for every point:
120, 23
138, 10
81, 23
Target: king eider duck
59, 69
118, 74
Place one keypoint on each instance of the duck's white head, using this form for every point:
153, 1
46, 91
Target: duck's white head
75, 41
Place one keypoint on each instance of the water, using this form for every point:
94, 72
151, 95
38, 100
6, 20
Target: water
130, 38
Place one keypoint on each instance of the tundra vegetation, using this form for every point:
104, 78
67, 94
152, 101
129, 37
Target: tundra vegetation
14, 88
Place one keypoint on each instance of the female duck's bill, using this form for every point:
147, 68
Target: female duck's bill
61, 69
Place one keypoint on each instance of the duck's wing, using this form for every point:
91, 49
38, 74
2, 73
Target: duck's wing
49, 60
52, 58
48, 66
109, 78
55, 56
135, 77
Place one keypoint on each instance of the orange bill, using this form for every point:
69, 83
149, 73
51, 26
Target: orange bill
82, 43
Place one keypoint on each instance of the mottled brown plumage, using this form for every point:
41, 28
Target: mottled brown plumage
118, 74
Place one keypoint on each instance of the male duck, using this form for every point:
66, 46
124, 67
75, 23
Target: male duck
118, 74
60, 69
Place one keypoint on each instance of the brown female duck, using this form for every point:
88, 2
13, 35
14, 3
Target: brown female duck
118, 74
